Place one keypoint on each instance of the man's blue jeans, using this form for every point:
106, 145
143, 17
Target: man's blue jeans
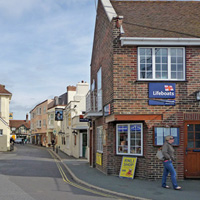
169, 168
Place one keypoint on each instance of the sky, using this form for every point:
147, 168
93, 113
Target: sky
46, 45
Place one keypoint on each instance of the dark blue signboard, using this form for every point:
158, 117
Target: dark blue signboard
82, 119
107, 110
162, 102
162, 90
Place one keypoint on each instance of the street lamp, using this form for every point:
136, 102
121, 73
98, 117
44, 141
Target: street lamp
198, 96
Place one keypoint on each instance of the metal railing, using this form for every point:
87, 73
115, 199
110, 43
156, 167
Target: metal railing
93, 102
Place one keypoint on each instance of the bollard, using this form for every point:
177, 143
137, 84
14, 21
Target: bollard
56, 149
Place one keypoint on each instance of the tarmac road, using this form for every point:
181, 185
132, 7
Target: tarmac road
33, 173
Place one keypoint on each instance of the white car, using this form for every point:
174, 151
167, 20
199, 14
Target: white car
18, 141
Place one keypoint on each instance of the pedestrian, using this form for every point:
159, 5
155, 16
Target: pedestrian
168, 152
53, 144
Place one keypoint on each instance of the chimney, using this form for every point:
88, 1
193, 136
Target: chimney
71, 88
119, 21
3, 86
27, 117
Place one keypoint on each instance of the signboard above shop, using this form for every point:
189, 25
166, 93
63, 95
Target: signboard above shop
82, 119
162, 90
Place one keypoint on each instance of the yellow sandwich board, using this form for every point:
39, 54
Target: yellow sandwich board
128, 167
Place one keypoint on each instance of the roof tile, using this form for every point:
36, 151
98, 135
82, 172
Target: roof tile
159, 18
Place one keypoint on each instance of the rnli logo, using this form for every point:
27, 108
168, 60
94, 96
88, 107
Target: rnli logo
169, 88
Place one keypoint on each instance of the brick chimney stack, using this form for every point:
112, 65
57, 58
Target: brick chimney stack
3, 86
27, 117
71, 88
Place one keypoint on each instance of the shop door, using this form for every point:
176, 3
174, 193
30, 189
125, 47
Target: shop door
192, 150
84, 144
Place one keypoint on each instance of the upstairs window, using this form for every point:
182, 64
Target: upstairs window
155, 63
44, 110
1, 132
99, 90
38, 111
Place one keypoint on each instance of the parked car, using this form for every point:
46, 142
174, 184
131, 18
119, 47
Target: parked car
18, 141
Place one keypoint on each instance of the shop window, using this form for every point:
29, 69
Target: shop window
129, 139
161, 132
100, 139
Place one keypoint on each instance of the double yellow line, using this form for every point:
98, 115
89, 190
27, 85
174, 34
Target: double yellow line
66, 180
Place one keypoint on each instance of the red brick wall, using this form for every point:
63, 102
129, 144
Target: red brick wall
129, 96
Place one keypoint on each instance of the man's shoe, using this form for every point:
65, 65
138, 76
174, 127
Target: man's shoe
167, 186
177, 188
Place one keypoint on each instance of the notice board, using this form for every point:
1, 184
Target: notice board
128, 167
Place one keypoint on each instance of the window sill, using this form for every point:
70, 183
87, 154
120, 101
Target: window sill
162, 81
125, 154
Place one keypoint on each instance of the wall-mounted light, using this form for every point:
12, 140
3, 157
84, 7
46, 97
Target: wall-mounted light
198, 96
74, 132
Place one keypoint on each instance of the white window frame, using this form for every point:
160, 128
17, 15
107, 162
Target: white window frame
44, 122
169, 64
51, 119
129, 139
39, 123
100, 139
39, 111
44, 110
99, 89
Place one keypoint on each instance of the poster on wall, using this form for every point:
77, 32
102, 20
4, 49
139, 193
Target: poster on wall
128, 167
99, 158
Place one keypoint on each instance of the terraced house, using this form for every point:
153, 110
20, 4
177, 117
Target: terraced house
145, 84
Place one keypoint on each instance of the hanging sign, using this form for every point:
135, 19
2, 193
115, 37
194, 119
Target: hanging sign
128, 167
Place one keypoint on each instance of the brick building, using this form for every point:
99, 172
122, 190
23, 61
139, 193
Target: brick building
145, 73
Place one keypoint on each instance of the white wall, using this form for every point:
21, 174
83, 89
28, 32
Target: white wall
4, 123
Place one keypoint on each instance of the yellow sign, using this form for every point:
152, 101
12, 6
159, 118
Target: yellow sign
11, 116
128, 167
99, 158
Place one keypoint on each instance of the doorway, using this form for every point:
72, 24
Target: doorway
84, 144
192, 149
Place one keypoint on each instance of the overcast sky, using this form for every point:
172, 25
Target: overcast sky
46, 45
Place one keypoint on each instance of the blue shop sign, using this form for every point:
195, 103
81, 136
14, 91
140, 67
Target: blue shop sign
135, 127
162, 102
162, 90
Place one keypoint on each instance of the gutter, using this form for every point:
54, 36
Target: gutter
135, 41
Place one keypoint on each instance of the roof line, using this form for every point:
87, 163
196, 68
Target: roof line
110, 11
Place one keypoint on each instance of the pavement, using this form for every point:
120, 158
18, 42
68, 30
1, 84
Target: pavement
127, 188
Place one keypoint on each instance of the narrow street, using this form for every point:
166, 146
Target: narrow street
33, 173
